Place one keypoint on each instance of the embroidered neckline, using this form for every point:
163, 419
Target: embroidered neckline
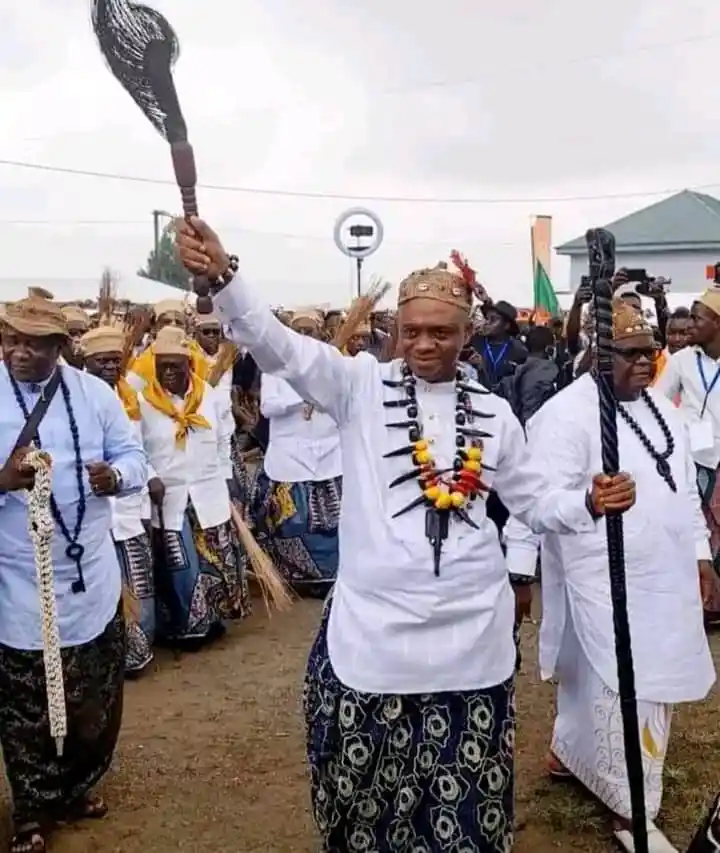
449, 492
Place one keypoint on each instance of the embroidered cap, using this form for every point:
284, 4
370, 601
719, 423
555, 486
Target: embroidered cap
171, 341
168, 306
207, 321
711, 299
439, 283
628, 322
76, 317
40, 292
104, 339
36, 316
304, 317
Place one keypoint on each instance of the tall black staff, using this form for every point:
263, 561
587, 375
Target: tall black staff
141, 48
601, 255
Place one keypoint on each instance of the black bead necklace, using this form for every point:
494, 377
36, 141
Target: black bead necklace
74, 550
441, 497
661, 459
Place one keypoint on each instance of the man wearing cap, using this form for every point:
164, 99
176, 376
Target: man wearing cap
173, 313
297, 494
498, 346
409, 696
692, 375
668, 573
95, 456
201, 579
78, 322
103, 349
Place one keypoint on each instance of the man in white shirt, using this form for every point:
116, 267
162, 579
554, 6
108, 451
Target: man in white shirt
409, 696
667, 557
692, 375
296, 499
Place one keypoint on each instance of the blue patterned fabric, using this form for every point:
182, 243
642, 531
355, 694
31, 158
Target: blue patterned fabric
199, 579
297, 524
136, 563
408, 774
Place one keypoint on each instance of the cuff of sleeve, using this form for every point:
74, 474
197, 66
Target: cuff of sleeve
234, 301
574, 512
521, 561
702, 549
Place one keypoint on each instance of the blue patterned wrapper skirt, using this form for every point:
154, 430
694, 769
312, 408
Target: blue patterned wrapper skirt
136, 561
408, 774
200, 579
297, 524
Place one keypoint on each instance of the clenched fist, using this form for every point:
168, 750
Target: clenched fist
200, 248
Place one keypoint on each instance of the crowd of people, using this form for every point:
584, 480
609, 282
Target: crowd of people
414, 478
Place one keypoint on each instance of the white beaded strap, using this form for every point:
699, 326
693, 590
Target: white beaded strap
41, 527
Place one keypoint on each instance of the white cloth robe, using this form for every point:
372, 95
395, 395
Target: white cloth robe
394, 627
301, 449
665, 535
199, 471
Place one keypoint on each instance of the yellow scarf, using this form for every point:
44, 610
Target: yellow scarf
185, 418
129, 398
660, 364
144, 365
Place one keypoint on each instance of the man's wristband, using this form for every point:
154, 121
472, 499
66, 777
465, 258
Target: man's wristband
521, 580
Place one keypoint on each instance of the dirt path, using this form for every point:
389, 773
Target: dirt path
211, 757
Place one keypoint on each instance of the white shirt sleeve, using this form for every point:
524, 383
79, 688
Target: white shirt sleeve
317, 372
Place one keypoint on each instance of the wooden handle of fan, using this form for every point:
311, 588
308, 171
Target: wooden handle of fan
183, 158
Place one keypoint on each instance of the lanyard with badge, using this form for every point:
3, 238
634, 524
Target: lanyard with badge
701, 432
496, 360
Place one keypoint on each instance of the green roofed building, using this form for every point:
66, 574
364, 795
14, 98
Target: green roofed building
677, 238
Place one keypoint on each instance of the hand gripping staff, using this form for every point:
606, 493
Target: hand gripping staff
141, 48
601, 255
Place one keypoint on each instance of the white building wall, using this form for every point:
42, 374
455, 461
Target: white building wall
686, 269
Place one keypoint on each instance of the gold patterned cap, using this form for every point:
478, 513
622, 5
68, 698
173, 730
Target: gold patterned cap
36, 317
102, 340
711, 299
628, 321
40, 293
171, 340
304, 317
439, 283
76, 317
168, 306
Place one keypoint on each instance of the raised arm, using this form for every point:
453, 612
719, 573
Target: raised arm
316, 371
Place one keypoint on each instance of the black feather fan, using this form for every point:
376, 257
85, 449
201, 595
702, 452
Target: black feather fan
141, 48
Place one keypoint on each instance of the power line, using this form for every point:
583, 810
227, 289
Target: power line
250, 232
336, 196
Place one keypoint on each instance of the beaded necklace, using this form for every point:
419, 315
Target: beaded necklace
74, 550
661, 459
443, 492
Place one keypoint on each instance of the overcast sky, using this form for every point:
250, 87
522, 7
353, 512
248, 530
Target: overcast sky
467, 99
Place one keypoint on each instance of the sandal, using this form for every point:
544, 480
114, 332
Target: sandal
28, 838
657, 842
556, 769
90, 807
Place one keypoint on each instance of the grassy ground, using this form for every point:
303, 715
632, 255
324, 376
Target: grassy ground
211, 757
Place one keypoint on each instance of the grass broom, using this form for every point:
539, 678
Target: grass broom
274, 590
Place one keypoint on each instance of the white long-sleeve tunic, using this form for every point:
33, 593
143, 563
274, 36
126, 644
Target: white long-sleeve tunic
301, 448
665, 536
199, 471
394, 626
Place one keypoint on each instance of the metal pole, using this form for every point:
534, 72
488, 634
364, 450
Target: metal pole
156, 214
358, 269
